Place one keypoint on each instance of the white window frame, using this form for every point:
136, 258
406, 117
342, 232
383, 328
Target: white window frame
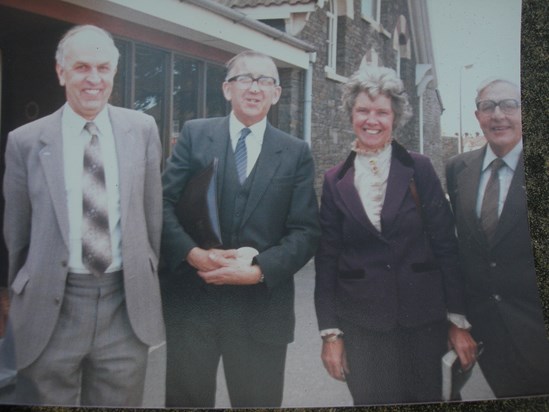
332, 15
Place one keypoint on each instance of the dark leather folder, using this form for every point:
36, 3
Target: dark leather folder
197, 208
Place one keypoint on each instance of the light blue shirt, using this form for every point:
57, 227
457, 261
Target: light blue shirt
505, 175
74, 140
254, 141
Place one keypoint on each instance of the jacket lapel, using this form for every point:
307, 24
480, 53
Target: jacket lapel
467, 186
398, 184
125, 153
266, 167
51, 159
515, 201
349, 197
217, 147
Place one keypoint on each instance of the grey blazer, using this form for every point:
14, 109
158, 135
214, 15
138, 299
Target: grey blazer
36, 227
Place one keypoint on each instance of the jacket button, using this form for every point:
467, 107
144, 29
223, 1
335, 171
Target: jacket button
64, 263
493, 264
388, 267
57, 301
497, 297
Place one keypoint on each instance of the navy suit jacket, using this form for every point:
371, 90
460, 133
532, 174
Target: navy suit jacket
399, 276
500, 277
280, 220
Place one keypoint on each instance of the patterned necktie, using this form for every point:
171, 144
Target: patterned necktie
241, 155
96, 241
490, 202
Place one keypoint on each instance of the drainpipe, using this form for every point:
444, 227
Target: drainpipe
308, 99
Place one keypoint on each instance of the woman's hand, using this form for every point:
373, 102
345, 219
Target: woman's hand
334, 359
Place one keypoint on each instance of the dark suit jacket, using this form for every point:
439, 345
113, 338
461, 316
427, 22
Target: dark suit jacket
36, 227
500, 278
398, 276
280, 218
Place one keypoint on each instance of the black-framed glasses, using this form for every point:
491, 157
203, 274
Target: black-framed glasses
507, 106
244, 81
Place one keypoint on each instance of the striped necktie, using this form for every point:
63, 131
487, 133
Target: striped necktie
241, 155
96, 241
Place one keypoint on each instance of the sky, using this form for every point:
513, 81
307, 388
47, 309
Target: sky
484, 33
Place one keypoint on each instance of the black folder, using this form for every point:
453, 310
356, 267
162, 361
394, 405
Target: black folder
197, 208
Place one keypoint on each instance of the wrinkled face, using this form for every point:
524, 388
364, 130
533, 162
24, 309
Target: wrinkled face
251, 104
87, 73
502, 129
372, 120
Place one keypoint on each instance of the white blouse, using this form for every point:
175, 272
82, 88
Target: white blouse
371, 174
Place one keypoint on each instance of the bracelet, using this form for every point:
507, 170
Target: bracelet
331, 338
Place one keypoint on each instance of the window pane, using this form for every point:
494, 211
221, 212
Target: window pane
368, 8
150, 83
186, 101
216, 105
119, 89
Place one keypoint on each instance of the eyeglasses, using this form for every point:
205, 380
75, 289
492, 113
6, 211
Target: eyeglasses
507, 106
244, 81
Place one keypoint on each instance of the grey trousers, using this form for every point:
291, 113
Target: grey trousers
93, 356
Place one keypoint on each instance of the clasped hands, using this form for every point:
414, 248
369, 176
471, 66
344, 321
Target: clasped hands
224, 267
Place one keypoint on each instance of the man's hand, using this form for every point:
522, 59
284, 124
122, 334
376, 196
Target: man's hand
236, 273
334, 359
206, 260
464, 345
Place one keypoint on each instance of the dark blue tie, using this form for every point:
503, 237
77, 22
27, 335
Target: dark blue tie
241, 155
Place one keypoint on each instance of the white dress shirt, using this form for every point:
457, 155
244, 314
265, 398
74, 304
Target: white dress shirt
254, 140
505, 174
74, 140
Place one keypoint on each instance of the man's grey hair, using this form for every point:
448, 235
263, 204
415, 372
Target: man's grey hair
249, 54
61, 47
491, 81
374, 81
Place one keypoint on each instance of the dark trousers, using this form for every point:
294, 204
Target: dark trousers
254, 371
402, 365
508, 373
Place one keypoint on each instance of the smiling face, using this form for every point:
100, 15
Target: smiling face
87, 72
502, 130
372, 120
251, 105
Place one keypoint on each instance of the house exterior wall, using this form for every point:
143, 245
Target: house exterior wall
331, 133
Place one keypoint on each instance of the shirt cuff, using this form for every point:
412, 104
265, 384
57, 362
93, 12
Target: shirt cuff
326, 332
459, 320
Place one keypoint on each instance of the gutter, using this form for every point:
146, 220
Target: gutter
240, 18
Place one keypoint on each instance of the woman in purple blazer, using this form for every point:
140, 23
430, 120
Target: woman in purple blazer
388, 291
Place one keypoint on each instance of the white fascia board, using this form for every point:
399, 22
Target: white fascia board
195, 23
276, 12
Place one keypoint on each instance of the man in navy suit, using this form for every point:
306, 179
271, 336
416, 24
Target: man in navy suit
217, 304
503, 303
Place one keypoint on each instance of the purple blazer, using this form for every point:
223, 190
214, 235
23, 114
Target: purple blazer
403, 275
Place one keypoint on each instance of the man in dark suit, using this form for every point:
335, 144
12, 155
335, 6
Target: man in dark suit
82, 226
217, 304
487, 191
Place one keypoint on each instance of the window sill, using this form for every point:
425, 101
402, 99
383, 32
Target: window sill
375, 25
332, 75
